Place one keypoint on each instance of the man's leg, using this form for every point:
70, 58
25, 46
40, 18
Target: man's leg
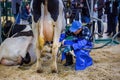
18, 18
109, 24
99, 25
69, 59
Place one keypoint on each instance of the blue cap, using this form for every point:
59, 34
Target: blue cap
75, 26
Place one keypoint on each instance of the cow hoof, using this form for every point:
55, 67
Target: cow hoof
54, 71
39, 71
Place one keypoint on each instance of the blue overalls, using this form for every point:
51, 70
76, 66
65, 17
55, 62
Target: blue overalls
79, 45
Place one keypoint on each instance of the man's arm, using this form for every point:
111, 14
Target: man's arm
80, 44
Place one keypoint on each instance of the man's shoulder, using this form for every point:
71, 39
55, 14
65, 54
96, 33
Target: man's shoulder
85, 28
86, 31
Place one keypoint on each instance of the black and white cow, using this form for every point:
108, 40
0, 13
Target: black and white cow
48, 22
10, 29
17, 49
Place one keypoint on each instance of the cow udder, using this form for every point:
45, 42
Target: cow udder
48, 30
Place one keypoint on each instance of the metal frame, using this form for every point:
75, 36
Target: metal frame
0, 25
109, 41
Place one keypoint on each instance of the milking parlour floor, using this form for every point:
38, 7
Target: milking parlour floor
106, 67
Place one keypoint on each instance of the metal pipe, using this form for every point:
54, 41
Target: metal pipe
91, 11
102, 24
114, 37
0, 25
88, 6
6, 11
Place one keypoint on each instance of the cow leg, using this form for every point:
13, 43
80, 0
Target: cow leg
57, 31
9, 62
35, 27
39, 61
54, 60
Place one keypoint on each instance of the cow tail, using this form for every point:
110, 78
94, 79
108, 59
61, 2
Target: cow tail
40, 37
41, 42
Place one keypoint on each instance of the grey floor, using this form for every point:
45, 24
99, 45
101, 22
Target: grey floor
104, 34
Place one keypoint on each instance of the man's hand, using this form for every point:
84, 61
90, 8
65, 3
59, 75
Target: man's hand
63, 42
67, 48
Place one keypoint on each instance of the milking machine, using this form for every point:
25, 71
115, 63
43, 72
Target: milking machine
106, 42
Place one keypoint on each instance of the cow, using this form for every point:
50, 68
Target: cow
9, 29
48, 21
17, 49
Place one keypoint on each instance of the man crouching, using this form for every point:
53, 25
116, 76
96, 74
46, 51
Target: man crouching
80, 43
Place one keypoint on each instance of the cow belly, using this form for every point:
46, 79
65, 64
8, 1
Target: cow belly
10, 51
48, 30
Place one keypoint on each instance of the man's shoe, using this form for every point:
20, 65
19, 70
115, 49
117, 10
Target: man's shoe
113, 35
69, 60
118, 35
100, 36
108, 34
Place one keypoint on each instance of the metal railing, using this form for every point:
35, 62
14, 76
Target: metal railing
0, 25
